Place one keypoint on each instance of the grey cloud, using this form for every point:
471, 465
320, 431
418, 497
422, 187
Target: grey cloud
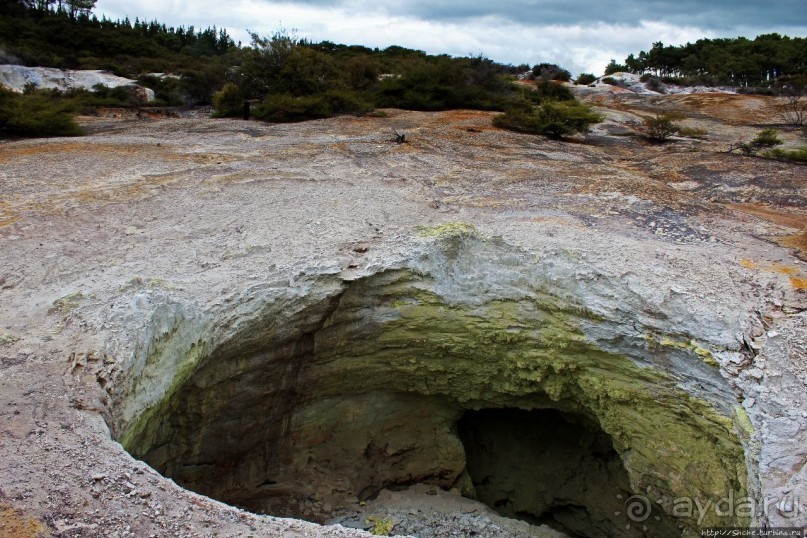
714, 14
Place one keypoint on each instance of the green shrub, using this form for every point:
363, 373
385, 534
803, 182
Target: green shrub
584, 79
610, 80
551, 118
692, 132
550, 72
349, 102
660, 128
444, 83
655, 84
287, 108
614, 67
229, 102
766, 138
167, 90
798, 155
102, 96
546, 90
36, 114
756, 90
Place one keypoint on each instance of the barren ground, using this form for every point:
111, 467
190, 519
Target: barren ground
205, 208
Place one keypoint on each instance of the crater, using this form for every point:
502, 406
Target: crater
469, 365
553, 468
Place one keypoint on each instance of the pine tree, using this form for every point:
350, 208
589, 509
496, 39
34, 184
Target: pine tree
79, 8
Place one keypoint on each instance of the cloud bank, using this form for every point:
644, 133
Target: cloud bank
580, 35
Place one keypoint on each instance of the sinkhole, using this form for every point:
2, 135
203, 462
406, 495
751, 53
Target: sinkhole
470, 374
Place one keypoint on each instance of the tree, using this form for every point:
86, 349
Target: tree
41, 5
79, 8
614, 67
551, 72
585, 79
793, 111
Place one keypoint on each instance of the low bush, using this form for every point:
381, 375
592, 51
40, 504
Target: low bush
349, 102
443, 84
798, 155
692, 132
168, 90
757, 90
229, 102
554, 119
546, 90
550, 72
610, 80
584, 79
101, 96
655, 84
36, 114
660, 128
287, 108
765, 139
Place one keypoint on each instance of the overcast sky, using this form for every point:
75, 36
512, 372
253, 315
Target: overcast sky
581, 35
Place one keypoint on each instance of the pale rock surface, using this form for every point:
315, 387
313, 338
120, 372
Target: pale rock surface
16, 77
128, 252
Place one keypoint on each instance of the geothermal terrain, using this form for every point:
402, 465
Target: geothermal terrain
475, 333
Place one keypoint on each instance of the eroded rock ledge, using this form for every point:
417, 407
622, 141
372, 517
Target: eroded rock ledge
297, 399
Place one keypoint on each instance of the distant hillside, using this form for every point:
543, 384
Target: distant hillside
53, 38
281, 78
763, 62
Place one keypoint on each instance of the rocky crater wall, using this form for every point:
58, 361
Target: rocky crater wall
299, 397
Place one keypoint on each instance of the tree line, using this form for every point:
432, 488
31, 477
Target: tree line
742, 62
281, 77
65, 34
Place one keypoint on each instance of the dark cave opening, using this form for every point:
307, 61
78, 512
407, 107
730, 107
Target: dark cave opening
559, 469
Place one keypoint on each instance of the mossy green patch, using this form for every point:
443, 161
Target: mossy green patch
447, 229
66, 303
139, 435
667, 341
744, 423
381, 526
7, 339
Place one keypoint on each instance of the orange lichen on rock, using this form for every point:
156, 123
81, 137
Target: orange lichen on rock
748, 264
779, 217
798, 241
791, 220
799, 283
7, 215
14, 523
784, 269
